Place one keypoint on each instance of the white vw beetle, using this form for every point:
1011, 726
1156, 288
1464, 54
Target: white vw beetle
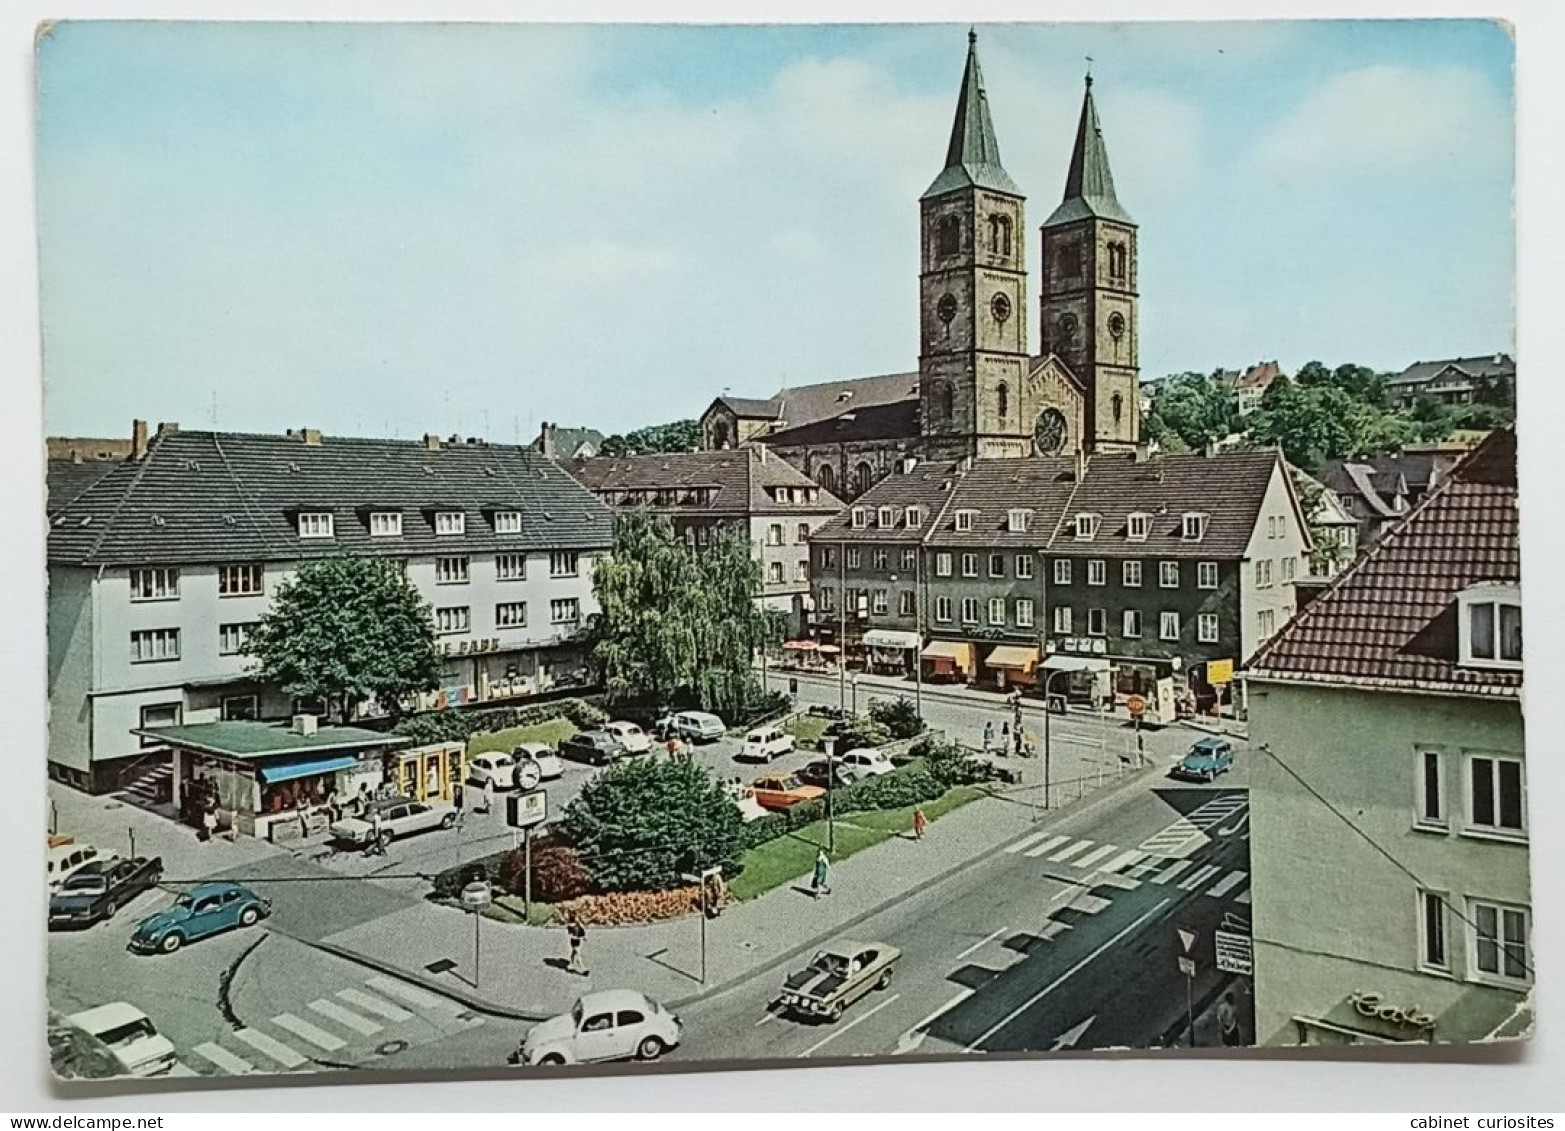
604, 1025
631, 737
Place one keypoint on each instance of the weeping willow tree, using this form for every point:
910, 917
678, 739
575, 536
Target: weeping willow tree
678, 626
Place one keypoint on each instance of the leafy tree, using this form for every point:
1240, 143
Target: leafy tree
679, 436
1192, 408
899, 716
858, 731
641, 824
343, 629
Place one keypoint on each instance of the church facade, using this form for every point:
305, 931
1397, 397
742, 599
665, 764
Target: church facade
979, 393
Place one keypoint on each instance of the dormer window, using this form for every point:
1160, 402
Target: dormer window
1136, 527
508, 522
1086, 527
1017, 520
1193, 526
887, 516
913, 516
1490, 625
315, 524
860, 518
385, 524
964, 521
450, 522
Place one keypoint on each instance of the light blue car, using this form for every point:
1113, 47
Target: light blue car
1206, 759
206, 909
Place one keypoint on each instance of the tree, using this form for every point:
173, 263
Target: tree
679, 436
1192, 408
343, 629
1329, 552
643, 824
898, 716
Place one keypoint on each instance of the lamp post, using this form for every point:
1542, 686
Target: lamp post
830, 742
1048, 681
918, 631
842, 628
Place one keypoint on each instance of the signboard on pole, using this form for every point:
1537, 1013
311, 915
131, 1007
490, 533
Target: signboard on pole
1187, 967
525, 810
1234, 953
1219, 672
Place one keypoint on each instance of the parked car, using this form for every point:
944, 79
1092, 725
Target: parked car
604, 1025
840, 973
630, 736
130, 1036
598, 747
545, 755
815, 773
399, 817
65, 859
99, 888
692, 726
865, 762
206, 909
1205, 760
765, 743
782, 791
495, 767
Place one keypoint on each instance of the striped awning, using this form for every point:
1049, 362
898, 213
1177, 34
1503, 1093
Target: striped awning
958, 652
1013, 656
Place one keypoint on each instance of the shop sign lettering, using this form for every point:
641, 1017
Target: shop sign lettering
1373, 1005
469, 647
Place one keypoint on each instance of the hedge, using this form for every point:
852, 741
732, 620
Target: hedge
459, 726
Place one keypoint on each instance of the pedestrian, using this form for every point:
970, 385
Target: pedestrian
988, 736
818, 886
456, 800
304, 819
920, 823
1228, 1020
672, 746
377, 844
488, 796
333, 806
576, 931
1005, 738
363, 800
208, 822
1028, 747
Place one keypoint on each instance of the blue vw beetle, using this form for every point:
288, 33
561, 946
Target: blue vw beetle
205, 909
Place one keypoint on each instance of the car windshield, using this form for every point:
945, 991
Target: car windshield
122, 1035
94, 882
185, 902
828, 963
790, 783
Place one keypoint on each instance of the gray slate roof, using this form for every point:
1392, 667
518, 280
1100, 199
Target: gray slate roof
1423, 372
226, 497
973, 155
749, 408
741, 478
1089, 185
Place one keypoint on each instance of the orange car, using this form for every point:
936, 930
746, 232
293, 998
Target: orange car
780, 791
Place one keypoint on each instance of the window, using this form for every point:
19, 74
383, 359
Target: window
1193, 527
774, 534
775, 572
1024, 566
942, 565
1266, 623
1023, 612
1062, 619
996, 565
1086, 527
703, 535
451, 571
1002, 393
1136, 527
1496, 793
1130, 575
508, 522
860, 518
855, 557
1490, 625
802, 534
913, 516
801, 570
239, 581
160, 715
1206, 575
1433, 928
231, 637
877, 603
880, 559
450, 522
513, 567
1263, 572
239, 707
1206, 628
1168, 575
828, 599
1132, 626
1430, 789
997, 612
828, 558
886, 516
969, 565
1062, 571
1097, 622
1271, 526
1499, 942
564, 610
1290, 567
455, 618
943, 610
1097, 572
905, 606
315, 524
1017, 520
385, 524
964, 520
154, 584
566, 563
1117, 260
999, 234
969, 610
512, 614
909, 560
154, 645
948, 235
1168, 626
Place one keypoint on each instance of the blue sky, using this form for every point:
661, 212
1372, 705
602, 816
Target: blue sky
396, 229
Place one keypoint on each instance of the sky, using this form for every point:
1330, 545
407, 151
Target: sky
399, 229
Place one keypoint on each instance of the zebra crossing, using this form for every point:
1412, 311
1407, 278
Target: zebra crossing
291, 1040
1189, 832
1129, 868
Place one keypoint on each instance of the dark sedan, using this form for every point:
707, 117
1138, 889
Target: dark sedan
598, 747
816, 773
98, 890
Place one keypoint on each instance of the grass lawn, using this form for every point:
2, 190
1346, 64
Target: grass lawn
901, 820
508, 909
807, 730
553, 732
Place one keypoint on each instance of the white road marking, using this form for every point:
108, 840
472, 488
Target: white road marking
1030, 838
182, 1069
1231, 880
1066, 853
317, 1036
328, 1008
227, 1061
374, 1005
1063, 978
1167, 874
1244, 898
1089, 904
856, 1021
1047, 846
1097, 854
393, 988
1055, 927
270, 1046
915, 1036
1130, 856
1198, 877
981, 943
764, 1020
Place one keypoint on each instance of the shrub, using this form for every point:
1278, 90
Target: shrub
910, 786
856, 731
763, 706
449, 883
899, 716
455, 725
950, 764
558, 873
623, 908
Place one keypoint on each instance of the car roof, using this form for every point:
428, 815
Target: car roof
847, 948
62, 850
1210, 744
201, 890
611, 1001
698, 715
103, 1017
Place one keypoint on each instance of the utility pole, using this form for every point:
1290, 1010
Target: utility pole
918, 630
830, 742
842, 631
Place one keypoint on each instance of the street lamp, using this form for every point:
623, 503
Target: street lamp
1048, 710
918, 631
830, 742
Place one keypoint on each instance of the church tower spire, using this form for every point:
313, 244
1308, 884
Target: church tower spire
973, 155
1089, 186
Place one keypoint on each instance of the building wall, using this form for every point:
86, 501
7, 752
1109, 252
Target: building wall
1007, 587
1333, 916
1151, 600
70, 636
1289, 542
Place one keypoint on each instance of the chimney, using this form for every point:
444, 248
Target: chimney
1210, 449
311, 437
138, 439
1081, 464
304, 725
431, 442
762, 448
546, 439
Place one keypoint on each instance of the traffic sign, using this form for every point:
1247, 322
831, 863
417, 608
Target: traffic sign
1187, 967
1234, 953
1186, 939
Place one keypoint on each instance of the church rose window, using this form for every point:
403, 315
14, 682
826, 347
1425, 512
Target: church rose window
1049, 432
1117, 324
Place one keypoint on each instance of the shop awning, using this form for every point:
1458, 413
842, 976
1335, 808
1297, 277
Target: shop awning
1076, 664
958, 652
830, 649
304, 769
889, 638
1013, 656
799, 645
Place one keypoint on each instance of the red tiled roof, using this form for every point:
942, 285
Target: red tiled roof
1390, 620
